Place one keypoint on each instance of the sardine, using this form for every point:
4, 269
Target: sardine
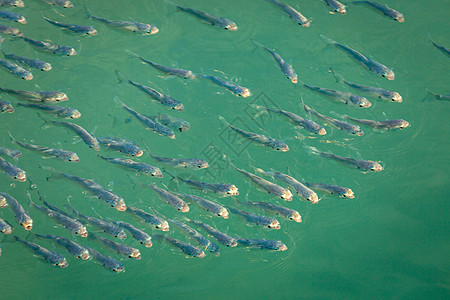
353, 129
161, 98
384, 9
259, 138
169, 70
219, 188
16, 69
150, 124
332, 189
13, 153
5, 227
357, 163
370, 64
172, 199
63, 112
15, 172
280, 210
183, 246
181, 162
121, 248
22, 216
223, 238
204, 242
63, 3
34, 63
263, 244
130, 164
88, 138
54, 258
139, 235
49, 47
257, 219
386, 124
299, 187
336, 6
10, 30
285, 67
347, 98
16, 3
121, 145
207, 205
6, 107
213, 20
6, 15
309, 125
42, 96
231, 86
73, 248
270, 187
156, 221
176, 123
106, 261
379, 92
75, 28
294, 14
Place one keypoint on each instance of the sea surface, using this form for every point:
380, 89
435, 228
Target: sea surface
390, 242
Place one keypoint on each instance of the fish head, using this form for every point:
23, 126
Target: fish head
232, 244
84, 255
60, 96
184, 208
68, 4
399, 17
396, 97
232, 190
178, 107
22, 20
286, 195
184, 126
296, 217
16, 32
82, 232
118, 268
8, 108
153, 30
74, 114
157, 173
3, 202
92, 31
322, 131
171, 135
7, 230
293, 78
190, 75
231, 27
313, 198
62, 263
72, 157
135, 254
18, 3
138, 153
341, 9
348, 194
21, 176
281, 246
46, 67
28, 76
376, 167
198, 163
223, 214
121, 234
403, 124
389, 74
245, 93
148, 242
164, 226
274, 224
71, 52
120, 205
365, 103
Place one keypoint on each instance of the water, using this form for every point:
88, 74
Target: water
389, 242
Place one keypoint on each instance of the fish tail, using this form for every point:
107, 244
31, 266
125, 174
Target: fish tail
45, 121
313, 150
120, 77
88, 12
11, 137
429, 95
338, 76
259, 170
224, 121
327, 39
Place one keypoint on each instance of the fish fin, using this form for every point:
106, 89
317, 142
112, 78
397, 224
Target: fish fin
338, 76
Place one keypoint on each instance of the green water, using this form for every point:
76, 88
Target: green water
391, 241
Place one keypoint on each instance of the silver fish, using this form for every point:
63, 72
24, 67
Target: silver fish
75, 28
176, 123
42, 96
63, 3
230, 85
172, 199
15, 172
392, 13
379, 92
347, 98
10, 30
88, 138
16, 69
121, 145
52, 257
353, 129
160, 97
22, 217
207, 205
332, 189
138, 234
13, 153
6, 15
121, 248
49, 47
223, 238
299, 187
73, 248
130, 164
5, 227
386, 124
285, 67
263, 244
182, 162
257, 219
294, 14
34, 63
336, 6
156, 221
219, 188
6, 107
280, 210
16, 3
149, 123
213, 20
183, 246
259, 138
63, 112
169, 70
106, 261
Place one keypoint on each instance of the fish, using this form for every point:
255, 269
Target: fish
353, 129
106, 261
201, 240
172, 122
121, 145
309, 125
139, 235
60, 111
41, 96
5, 227
100, 192
437, 96
379, 92
213, 20
223, 238
13, 153
6, 107
16, 70
149, 123
294, 14
207, 205
57, 153
230, 85
126, 25
53, 48
6, 15
33, 63
15, 172
369, 63
121, 248
140, 167
336, 6
22, 217
386, 124
169, 70
52, 257
270, 187
183, 246
280, 210
299, 187
3, 202
159, 97
257, 219
442, 48
347, 98
285, 67
10, 30
74, 248
332, 189
63, 3
218, 188
156, 221
392, 13
16, 3
105, 226
89, 30
259, 138
357, 163
172, 199
263, 244
182, 162
88, 138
